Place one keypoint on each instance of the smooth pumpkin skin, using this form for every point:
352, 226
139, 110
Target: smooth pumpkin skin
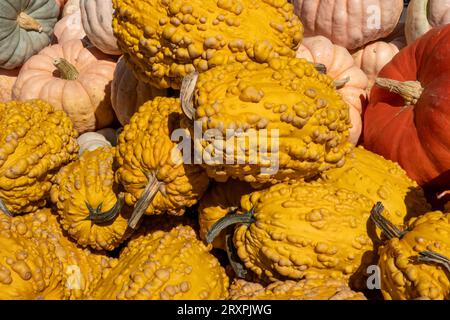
202, 34
87, 99
416, 137
7, 80
172, 265
96, 16
128, 93
307, 289
402, 277
69, 28
339, 64
35, 142
346, 22
17, 45
90, 180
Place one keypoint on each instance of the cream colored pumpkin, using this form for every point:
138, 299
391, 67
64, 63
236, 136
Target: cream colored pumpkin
90, 141
128, 93
340, 66
349, 23
7, 79
71, 78
96, 16
69, 28
422, 15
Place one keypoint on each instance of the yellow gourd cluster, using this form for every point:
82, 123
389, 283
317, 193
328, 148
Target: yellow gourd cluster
166, 40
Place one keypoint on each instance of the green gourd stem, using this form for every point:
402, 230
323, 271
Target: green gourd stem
228, 220
339, 84
96, 215
321, 68
5, 209
28, 23
66, 70
434, 257
150, 191
409, 90
235, 262
388, 228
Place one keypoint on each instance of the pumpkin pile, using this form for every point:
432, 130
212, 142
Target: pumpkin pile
223, 149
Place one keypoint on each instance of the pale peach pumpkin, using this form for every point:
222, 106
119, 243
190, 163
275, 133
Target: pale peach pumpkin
7, 79
349, 23
128, 93
71, 6
351, 80
69, 28
71, 78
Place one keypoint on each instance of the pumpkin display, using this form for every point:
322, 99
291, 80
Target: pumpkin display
69, 28
151, 167
7, 80
307, 289
41, 263
71, 7
96, 16
414, 262
380, 180
165, 265
284, 232
88, 205
407, 117
299, 121
422, 15
165, 40
129, 93
72, 78
350, 24
26, 28
350, 80
218, 201
35, 141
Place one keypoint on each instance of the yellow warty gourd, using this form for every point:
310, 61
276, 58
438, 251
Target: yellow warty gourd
165, 265
164, 40
307, 289
151, 168
37, 261
415, 263
35, 141
295, 231
218, 201
86, 197
298, 120
380, 180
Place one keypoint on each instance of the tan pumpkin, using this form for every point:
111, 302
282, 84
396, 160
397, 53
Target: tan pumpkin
129, 93
7, 79
96, 16
350, 80
69, 28
422, 15
349, 23
71, 78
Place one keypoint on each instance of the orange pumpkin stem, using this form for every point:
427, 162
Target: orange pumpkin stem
28, 23
66, 70
409, 90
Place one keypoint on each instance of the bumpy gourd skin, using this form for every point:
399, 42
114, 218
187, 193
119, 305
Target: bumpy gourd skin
90, 180
218, 201
53, 266
304, 229
170, 265
307, 289
285, 94
164, 40
145, 148
380, 180
402, 276
35, 141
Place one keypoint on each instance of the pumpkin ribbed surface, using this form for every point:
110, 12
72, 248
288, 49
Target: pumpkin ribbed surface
165, 265
166, 40
35, 141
